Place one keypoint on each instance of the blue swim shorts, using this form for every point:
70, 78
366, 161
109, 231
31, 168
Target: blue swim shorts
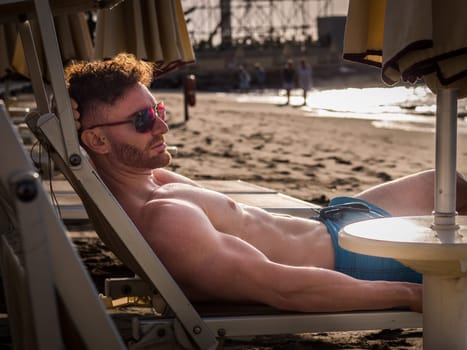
346, 210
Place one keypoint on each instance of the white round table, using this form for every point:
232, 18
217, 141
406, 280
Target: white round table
441, 256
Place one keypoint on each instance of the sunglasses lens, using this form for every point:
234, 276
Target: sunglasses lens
160, 107
144, 120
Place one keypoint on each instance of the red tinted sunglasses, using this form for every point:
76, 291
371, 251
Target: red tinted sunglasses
143, 120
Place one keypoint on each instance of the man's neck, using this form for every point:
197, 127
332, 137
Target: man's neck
123, 180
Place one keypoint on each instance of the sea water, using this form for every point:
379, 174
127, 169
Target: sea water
411, 108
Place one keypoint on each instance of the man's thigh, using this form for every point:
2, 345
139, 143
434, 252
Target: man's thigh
409, 195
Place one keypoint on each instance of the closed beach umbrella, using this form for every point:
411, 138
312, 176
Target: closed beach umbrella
73, 37
69, 24
7, 46
411, 41
151, 30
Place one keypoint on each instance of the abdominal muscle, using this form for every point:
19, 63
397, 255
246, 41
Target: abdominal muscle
282, 239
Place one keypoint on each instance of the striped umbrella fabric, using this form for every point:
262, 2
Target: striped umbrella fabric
70, 24
151, 30
410, 40
73, 37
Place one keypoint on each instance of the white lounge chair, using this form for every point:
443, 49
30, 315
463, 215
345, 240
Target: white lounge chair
118, 232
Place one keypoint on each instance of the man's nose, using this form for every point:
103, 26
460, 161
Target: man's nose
160, 126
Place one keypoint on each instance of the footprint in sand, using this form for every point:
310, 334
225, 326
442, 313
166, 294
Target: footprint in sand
383, 176
340, 160
358, 168
279, 160
317, 165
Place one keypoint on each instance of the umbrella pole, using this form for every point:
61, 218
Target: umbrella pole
445, 162
444, 296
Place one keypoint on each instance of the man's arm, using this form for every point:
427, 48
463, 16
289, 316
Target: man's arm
213, 265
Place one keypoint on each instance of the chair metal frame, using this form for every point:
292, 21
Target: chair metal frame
47, 258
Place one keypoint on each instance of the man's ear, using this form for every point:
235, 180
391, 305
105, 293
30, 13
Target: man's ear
96, 141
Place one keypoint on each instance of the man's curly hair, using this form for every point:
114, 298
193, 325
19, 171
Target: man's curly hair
103, 82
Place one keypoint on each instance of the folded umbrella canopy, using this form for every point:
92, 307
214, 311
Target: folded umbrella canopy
410, 41
74, 43
152, 30
7, 43
70, 24
73, 37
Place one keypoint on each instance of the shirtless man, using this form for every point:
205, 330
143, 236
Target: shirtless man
214, 247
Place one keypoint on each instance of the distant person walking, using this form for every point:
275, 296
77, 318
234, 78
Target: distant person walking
260, 76
288, 78
244, 79
304, 78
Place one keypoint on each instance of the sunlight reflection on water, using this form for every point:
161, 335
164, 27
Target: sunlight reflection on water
403, 108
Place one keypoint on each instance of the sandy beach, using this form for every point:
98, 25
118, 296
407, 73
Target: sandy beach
284, 148
308, 157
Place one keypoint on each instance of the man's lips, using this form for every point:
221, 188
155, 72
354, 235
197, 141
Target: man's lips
159, 146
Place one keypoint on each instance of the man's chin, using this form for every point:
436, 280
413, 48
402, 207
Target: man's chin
161, 160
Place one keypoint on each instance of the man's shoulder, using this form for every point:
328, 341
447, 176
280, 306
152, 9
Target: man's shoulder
169, 200
162, 200
175, 191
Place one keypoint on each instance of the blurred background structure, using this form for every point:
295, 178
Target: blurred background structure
227, 34
231, 22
